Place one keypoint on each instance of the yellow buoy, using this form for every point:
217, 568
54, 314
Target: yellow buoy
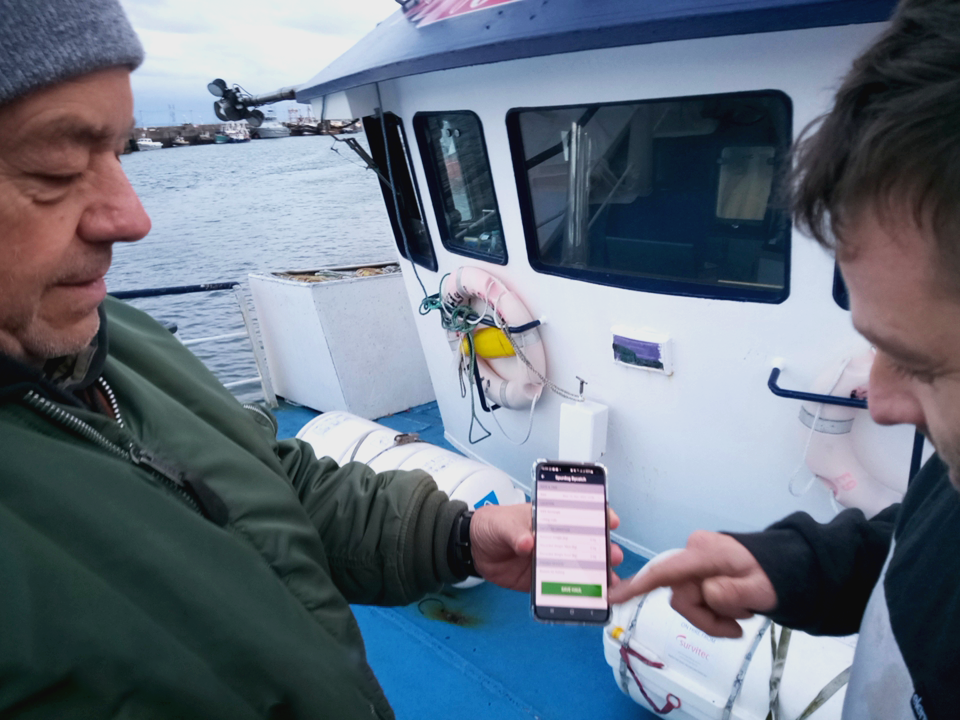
489, 342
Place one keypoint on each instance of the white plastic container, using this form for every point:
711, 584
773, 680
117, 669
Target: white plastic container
700, 670
343, 436
343, 344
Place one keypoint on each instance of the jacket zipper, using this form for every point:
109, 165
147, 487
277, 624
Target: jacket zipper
134, 454
260, 411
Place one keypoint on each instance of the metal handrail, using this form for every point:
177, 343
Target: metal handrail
916, 456
811, 397
250, 333
176, 290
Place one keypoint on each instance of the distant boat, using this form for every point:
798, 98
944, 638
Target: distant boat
229, 136
146, 143
180, 141
271, 128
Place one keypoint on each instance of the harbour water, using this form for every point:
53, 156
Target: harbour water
220, 212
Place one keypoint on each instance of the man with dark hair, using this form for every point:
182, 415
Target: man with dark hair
161, 553
879, 182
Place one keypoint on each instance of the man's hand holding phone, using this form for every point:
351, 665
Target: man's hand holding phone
501, 539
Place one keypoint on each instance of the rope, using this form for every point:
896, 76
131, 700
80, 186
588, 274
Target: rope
671, 702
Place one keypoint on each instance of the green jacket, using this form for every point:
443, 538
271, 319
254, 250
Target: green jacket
119, 599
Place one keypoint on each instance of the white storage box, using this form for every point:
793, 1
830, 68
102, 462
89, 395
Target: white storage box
338, 341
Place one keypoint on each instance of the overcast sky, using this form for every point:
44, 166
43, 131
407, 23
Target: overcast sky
258, 44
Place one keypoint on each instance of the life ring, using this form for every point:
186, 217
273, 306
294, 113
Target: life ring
830, 452
505, 380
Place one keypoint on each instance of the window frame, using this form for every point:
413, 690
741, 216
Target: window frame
661, 286
428, 262
434, 186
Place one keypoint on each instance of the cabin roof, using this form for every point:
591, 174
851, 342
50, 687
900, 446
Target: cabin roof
414, 41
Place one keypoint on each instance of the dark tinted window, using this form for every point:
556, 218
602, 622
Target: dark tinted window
408, 197
458, 172
672, 196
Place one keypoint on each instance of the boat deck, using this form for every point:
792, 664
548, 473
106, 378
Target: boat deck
477, 653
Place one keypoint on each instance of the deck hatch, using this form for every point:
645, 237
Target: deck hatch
675, 196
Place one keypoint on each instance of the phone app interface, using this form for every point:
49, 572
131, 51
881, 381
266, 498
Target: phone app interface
571, 550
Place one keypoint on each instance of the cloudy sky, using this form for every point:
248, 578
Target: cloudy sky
258, 44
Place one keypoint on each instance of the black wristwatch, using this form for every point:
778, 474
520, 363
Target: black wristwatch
460, 555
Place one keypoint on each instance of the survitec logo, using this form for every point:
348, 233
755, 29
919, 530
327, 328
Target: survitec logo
690, 647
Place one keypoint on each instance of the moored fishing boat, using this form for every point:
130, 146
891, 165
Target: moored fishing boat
617, 168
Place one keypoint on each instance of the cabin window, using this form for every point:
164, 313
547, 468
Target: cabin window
670, 196
407, 194
458, 173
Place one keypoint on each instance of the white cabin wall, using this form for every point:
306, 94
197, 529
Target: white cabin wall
709, 446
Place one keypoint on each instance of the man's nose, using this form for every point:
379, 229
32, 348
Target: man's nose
891, 398
114, 212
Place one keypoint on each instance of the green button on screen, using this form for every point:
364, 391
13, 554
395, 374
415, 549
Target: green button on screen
551, 588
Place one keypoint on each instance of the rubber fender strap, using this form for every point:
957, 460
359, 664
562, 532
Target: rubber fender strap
744, 666
829, 690
776, 673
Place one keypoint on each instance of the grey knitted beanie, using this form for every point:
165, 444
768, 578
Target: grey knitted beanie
45, 41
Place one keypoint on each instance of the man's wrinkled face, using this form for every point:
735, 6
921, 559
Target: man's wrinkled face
64, 201
903, 306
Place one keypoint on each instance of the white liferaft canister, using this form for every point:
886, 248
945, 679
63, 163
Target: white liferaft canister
700, 671
343, 436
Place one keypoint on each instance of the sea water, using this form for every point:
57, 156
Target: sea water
220, 212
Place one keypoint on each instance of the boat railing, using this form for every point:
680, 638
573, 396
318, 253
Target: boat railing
251, 331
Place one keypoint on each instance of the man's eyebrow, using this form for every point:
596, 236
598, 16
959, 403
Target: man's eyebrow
79, 131
896, 348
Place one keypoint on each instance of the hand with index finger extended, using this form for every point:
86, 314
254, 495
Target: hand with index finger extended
715, 580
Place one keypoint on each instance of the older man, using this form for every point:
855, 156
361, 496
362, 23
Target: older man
161, 554
880, 182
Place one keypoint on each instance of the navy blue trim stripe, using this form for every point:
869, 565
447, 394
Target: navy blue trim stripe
533, 28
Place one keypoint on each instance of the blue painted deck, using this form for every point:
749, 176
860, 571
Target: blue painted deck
477, 653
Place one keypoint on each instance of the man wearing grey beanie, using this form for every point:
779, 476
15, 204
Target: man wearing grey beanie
161, 553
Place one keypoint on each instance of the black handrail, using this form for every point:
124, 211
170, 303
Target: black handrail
918, 438
177, 290
812, 397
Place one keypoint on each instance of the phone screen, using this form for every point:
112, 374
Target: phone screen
571, 555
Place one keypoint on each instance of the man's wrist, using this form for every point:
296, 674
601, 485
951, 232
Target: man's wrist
459, 549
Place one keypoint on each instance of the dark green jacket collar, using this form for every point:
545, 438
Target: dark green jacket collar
61, 378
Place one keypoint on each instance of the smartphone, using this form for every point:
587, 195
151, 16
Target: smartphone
571, 556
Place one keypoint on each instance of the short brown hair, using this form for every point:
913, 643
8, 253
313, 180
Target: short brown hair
893, 135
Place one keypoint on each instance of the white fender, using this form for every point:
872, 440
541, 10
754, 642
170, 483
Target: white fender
830, 454
508, 382
697, 673
345, 437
